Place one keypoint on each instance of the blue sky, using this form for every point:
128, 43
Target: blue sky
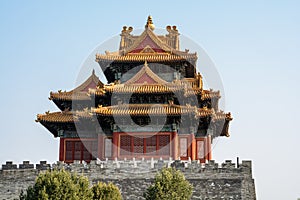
255, 46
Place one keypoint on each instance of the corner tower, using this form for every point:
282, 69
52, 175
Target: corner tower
153, 106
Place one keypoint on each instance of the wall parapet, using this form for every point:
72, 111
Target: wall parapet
135, 166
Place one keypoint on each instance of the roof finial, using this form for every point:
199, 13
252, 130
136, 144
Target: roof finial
93, 72
149, 23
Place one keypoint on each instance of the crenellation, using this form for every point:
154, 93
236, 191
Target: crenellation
9, 166
211, 165
43, 166
178, 164
26, 165
228, 164
193, 166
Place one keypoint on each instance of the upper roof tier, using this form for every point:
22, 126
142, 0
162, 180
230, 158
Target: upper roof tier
148, 47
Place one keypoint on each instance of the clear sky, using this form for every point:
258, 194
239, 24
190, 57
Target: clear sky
254, 44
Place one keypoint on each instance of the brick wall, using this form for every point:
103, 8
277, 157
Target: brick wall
210, 180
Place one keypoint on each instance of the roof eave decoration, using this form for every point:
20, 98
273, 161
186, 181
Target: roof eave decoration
65, 116
150, 57
144, 110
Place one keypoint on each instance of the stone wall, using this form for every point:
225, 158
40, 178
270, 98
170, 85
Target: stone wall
210, 180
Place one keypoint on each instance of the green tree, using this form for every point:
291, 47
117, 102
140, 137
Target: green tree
169, 184
105, 191
58, 185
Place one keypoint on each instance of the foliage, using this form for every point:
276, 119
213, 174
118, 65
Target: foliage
58, 185
105, 191
169, 184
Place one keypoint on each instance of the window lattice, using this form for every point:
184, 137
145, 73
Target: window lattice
151, 145
69, 150
164, 145
138, 145
77, 150
125, 145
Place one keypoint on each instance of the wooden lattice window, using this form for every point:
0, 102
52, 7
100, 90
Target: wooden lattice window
78, 150
125, 145
154, 145
151, 145
164, 144
69, 150
85, 152
138, 145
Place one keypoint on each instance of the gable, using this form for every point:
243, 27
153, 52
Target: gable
91, 85
92, 82
145, 78
147, 44
146, 75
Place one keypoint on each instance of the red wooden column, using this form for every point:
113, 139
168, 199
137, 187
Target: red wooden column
115, 142
61, 149
175, 145
193, 146
209, 153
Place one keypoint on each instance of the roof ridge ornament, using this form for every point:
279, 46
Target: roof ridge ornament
149, 23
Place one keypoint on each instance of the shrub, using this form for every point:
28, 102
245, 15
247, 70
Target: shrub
58, 185
105, 191
169, 184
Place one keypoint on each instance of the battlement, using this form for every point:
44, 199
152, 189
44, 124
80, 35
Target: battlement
133, 166
133, 176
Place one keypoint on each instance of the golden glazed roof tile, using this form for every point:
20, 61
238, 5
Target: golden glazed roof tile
132, 109
209, 94
140, 88
159, 109
63, 117
141, 57
171, 87
69, 96
144, 109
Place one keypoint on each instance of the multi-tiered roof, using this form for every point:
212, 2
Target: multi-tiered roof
147, 76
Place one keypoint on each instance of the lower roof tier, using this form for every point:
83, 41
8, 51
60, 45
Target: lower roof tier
89, 119
133, 110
